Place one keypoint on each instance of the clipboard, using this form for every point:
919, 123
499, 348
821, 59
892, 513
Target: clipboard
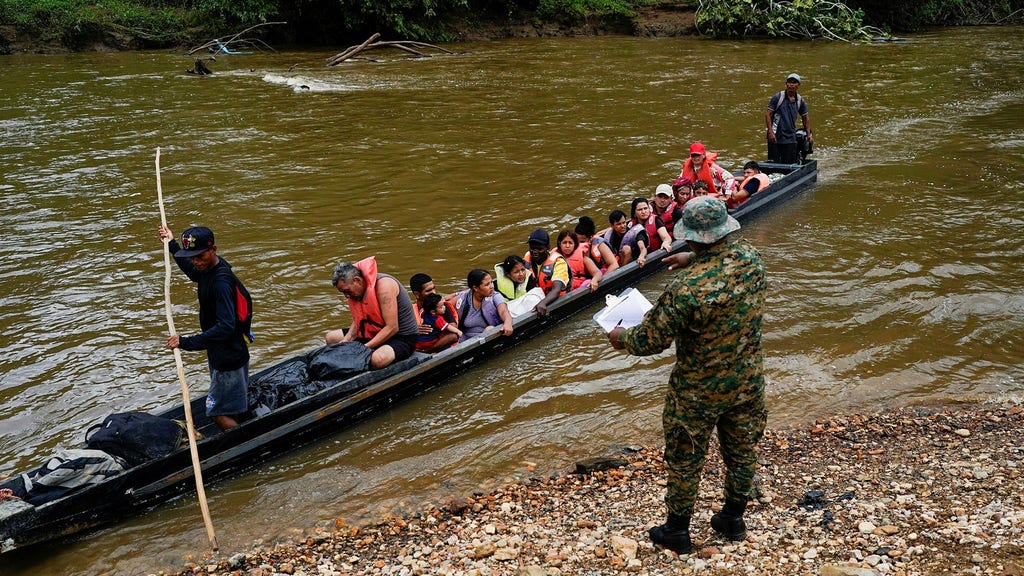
626, 310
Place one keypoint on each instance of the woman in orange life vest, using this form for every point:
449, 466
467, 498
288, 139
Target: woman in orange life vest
666, 208
583, 270
642, 214
700, 166
600, 252
753, 181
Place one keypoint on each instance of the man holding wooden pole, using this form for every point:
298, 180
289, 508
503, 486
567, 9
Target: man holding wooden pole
225, 317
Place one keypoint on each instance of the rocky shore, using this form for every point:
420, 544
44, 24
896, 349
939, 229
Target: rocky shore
914, 491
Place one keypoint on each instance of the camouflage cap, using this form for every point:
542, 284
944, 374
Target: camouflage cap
705, 220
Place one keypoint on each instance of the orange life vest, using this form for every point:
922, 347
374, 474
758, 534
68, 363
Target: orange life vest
762, 181
366, 314
705, 171
547, 270
577, 268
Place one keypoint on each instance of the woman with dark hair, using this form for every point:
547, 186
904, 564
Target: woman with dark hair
480, 307
643, 215
583, 270
513, 278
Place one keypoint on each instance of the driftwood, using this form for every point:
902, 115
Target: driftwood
230, 46
409, 46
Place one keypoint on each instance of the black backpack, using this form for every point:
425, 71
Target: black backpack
136, 437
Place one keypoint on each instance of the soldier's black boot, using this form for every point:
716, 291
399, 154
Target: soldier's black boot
674, 534
729, 522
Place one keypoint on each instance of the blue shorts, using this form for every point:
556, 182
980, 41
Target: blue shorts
229, 392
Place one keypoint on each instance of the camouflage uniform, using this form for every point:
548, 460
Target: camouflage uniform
712, 310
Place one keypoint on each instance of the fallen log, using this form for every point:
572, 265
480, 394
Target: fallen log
409, 46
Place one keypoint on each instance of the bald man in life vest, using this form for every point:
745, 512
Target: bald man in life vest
382, 314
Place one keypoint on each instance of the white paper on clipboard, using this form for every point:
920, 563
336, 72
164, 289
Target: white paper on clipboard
626, 310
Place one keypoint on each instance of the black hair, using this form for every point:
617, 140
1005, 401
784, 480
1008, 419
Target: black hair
752, 166
418, 281
586, 227
615, 216
431, 301
476, 277
637, 202
510, 262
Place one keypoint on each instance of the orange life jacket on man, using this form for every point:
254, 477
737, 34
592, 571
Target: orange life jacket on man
366, 314
547, 270
762, 181
577, 269
705, 173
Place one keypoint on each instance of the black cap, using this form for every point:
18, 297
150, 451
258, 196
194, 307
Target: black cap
194, 241
539, 236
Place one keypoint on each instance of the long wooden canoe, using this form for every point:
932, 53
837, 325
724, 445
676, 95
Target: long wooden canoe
337, 406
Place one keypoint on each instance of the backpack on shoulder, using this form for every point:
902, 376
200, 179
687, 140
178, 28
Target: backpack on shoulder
136, 437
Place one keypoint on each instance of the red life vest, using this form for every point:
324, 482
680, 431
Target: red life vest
651, 226
666, 217
547, 270
577, 268
705, 171
366, 314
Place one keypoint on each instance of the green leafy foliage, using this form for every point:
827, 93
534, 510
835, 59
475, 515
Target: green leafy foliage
576, 9
782, 18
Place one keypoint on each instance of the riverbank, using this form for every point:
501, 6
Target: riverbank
914, 491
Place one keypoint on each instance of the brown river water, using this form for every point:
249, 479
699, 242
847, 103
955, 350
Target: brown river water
897, 279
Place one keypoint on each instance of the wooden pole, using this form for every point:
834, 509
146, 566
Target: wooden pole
181, 371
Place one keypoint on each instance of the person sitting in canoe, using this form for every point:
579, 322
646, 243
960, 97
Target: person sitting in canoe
753, 181
436, 315
627, 242
512, 278
480, 307
583, 270
422, 286
682, 189
600, 252
701, 167
549, 268
382, 314
666, 208
642, 214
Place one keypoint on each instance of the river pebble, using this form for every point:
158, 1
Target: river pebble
897, 494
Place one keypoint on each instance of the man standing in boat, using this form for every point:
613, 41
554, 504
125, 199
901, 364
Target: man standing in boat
225, 334
712, 310
780, 122
382, 314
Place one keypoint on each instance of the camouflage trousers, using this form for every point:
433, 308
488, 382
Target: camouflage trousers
688, 427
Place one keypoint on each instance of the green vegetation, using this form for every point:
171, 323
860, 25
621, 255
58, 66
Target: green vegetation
159, 23
782, 18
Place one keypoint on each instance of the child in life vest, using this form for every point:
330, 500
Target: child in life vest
439, 318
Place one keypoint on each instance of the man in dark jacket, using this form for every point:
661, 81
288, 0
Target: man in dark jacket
224, 334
